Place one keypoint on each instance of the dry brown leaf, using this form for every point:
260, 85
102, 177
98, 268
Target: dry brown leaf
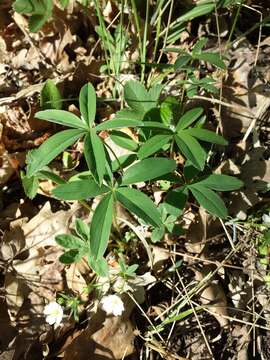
37, 269
202, 228
105, 338
75, 279
238, 91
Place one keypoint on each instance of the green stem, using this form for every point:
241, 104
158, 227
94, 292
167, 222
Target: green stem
143, 54
234, 25
137, 24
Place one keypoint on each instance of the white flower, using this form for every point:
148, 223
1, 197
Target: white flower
266, 218
54, 313
112, 304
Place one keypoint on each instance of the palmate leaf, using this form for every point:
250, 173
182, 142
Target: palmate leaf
188, 118
79, 190
95, 155
220, 182
148, 169
191, 149
23, 6
87, 101
152, 145
72, 256
118, 124
138, 98
206, 135
123, 161
127, 114
37, 21
41, 11
51, 148
175, 201
70, 241
209, 200
212, 58
101, 226
139, 204
124, 140
62, 117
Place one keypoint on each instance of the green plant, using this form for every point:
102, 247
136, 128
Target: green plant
163, 133
72, 303
40, 11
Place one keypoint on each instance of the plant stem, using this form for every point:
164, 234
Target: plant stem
137, 24
143, 54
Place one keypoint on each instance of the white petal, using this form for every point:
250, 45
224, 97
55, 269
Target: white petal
112, 304
50, 319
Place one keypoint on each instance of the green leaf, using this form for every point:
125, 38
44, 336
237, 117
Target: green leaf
100, 266
100, 156
127, 114
95, 155
30, 185
118, 124
154, 92
139, 204
138, 98
124, 161
188, 118
101, 226
124, 140
64, 3
50, 97
71, 256
49, 175
206, 135
37, 21
158, 234
23, 6
87, 101
155, 125
191, 149
209, 200
221, 182
69, 241
79, 190
181, 61
169, 110
175, 201
197, 11
212, 58
148, 169
82, 229
190, 171
62, 117
52, 147
200, 44
152, 145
